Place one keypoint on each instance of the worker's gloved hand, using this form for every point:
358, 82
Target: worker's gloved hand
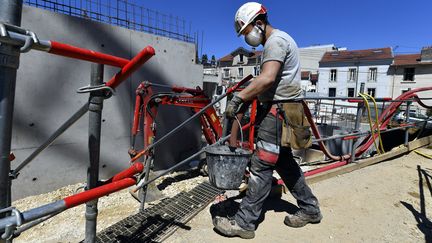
233, 107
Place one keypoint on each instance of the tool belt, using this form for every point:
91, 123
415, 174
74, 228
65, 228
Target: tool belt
296, 129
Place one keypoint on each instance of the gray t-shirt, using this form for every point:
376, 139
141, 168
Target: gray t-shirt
281, 47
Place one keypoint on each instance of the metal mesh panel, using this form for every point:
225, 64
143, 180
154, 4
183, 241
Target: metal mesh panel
121, 13
158, 222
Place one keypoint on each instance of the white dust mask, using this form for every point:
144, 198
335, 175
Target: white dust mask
255, 37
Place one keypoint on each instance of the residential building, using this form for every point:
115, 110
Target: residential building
346, 73
242, 62
412, 71
239, 64
309, 61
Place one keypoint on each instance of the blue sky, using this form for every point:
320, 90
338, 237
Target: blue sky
352, 24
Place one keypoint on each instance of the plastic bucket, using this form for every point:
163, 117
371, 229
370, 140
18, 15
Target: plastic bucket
225, 167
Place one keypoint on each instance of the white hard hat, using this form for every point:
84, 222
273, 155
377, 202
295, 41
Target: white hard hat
246, 14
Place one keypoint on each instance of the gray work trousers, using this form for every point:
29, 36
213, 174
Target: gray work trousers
267, 157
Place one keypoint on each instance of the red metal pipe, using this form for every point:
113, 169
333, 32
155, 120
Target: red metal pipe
148, 128
97, 192
136, 168
387, 115
143, 56
325, 168
384, 120
179, 89
66, 50
349, 137
318, 136
236, 86
354, 101
137, 115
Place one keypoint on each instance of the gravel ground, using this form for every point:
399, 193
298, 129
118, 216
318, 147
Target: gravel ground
69, 226
380, 203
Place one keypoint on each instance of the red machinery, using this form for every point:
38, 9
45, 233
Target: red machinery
146, 103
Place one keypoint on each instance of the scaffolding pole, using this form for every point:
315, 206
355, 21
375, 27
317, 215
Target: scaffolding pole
10, 12
95, 122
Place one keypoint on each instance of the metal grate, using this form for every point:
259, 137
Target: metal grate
122, 13
158, 222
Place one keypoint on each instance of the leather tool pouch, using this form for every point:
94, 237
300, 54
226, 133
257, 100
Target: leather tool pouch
297, 133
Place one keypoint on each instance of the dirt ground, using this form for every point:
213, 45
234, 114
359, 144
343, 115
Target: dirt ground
387, 202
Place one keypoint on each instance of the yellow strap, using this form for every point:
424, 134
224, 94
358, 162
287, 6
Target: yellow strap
377, 122
423, 154
370, 122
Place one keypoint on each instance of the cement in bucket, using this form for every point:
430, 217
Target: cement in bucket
225, 167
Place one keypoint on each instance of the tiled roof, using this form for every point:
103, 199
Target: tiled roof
407, 59
230, 57
358, 55
226, 58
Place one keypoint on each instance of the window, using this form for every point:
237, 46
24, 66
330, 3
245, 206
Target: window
305, 75
333, 75
332, 92
373, 74
371, 92
226, 73
240, 72
241, 57
409, 74
350, 92
256, 71
352, 74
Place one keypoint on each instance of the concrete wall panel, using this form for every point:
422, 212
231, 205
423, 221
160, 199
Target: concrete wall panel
46, 97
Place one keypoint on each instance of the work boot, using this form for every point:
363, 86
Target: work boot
229, 227
300, 219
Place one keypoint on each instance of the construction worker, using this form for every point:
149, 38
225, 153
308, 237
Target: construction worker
279, 79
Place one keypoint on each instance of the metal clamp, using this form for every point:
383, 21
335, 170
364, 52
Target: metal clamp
30, 38
3, 30
11, 228
13, 174
108, 91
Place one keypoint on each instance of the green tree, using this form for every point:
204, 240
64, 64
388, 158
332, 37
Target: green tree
213, 60
204, 59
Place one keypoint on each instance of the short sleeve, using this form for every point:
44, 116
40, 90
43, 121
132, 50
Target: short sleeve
275, 50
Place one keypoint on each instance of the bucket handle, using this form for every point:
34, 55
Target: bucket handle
241, 131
